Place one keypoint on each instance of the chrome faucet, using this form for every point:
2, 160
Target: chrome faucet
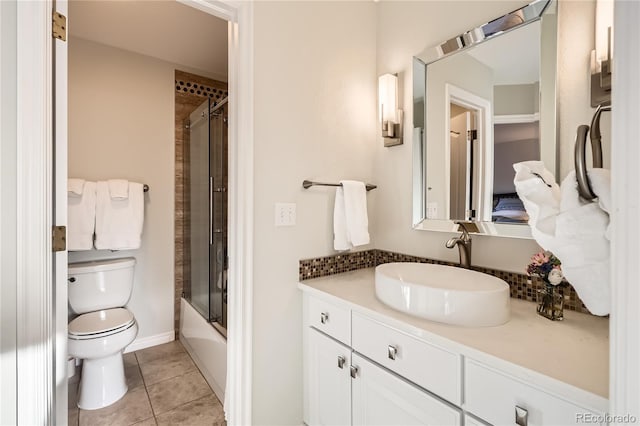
463, 242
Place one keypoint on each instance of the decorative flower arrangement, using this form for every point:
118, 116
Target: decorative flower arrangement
546, 266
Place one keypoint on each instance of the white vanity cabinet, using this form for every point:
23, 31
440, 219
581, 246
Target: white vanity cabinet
363, 367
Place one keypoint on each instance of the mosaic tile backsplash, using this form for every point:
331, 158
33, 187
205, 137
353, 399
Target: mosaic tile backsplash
522, 286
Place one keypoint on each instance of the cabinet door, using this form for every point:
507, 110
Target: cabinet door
327, 381
382, 398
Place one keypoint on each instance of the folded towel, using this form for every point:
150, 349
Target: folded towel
350, 221
118, 189
119, 222
575, 231
81, 215
75, 187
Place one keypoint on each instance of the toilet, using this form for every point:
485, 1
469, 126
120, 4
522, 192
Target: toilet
98, 292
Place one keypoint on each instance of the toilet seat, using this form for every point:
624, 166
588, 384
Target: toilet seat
99, 324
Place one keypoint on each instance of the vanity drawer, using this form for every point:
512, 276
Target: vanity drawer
498, 398
424, 364
330, 318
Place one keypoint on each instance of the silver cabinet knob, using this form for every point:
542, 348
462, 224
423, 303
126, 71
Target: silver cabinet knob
341, 362
324, 317
354, 371
522, 416
392, 351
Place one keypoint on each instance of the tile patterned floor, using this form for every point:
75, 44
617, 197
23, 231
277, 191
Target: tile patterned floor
165, 388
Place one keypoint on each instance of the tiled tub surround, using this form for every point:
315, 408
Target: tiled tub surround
190, 91
521, 286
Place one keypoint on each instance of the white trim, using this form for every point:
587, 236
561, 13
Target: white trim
625, 243
60, 112
147, 342
516, 118
35, 297
238, 396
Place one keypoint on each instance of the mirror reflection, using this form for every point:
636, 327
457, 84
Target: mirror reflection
485, 108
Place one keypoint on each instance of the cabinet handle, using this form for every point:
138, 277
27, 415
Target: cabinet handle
354, 371
392, 351
522, 416
324, 317
341, 362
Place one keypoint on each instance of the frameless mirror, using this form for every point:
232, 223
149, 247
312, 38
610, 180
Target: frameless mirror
483, 101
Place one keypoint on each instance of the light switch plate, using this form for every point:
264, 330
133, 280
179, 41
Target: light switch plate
285, 214
432, 210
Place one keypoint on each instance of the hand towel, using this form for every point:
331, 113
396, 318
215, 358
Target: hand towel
81, 215
119, 222
340, 239
118, 189
75, 187
574, 230
350, 221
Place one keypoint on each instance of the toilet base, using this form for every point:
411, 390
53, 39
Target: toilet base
102, 383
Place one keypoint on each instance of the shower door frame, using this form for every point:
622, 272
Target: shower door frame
239, 14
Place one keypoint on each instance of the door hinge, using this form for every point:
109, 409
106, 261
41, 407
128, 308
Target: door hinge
59, 26
472, 135
59, 235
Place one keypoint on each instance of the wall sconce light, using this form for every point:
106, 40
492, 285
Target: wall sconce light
601, 57
390, 115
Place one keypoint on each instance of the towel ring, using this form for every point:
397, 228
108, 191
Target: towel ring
584, 187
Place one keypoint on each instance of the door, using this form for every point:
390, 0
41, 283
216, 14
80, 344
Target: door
382, 398
328, 383
199, 205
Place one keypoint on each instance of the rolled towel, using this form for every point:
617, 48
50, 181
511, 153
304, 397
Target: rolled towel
75, 187
118, 189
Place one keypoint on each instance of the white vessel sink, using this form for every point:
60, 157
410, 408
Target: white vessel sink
444, 293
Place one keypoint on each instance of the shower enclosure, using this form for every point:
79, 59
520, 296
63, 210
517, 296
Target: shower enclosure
206, 221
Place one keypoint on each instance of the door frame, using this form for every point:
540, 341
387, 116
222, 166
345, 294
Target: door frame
238, 392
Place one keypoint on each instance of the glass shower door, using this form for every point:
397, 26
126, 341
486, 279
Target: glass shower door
199, 216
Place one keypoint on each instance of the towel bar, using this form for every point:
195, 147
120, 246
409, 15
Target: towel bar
145, 188
307, 184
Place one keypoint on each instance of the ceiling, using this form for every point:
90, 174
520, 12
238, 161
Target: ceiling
166, 30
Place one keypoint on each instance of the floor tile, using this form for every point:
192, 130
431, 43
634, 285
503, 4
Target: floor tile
167, 367
74, 414
204, 411
72, 395
171, 393
149, 422
159, 352
132, 408
133, 376
130, 359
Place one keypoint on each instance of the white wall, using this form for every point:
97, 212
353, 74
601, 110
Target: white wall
315, 109
121, 125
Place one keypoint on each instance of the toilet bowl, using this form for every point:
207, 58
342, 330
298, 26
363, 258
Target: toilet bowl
98, 290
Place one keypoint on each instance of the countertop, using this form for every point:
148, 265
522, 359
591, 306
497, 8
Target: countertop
574, 351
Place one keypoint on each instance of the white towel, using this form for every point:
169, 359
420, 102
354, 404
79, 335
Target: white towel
75, 187
350, 221
574, 230
81, 213
119, 222
118, 189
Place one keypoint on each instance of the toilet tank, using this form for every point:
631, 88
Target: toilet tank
100, 284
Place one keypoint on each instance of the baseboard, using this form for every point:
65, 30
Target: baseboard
147, 342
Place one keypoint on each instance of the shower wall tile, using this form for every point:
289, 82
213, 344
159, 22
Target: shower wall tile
521, 286
190, 91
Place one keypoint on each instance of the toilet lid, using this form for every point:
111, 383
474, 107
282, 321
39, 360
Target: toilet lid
100, 321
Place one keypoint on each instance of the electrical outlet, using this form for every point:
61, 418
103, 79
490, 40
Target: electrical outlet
285, 214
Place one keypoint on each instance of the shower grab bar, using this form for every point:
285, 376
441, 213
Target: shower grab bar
580, 161
306, 184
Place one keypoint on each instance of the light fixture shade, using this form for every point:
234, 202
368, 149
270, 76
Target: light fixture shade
388, 98
604, 21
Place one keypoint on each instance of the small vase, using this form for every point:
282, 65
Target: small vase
551, 302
